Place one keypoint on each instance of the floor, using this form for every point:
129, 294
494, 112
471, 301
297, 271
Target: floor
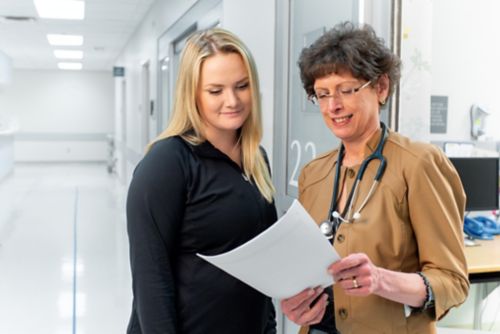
63, 251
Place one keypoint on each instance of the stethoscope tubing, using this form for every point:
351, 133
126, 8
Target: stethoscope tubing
376, 155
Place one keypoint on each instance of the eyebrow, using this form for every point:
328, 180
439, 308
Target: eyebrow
216, 85
328, 88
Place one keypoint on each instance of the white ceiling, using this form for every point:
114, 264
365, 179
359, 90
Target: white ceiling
107, 27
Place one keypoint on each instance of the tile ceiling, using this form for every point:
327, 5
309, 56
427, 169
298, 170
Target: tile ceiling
107, 27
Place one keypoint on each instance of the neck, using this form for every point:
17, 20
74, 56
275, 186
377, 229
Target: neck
355, 151
227, 143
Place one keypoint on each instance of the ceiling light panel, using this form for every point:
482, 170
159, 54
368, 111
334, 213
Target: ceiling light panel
66, 40
68, 54
60, 9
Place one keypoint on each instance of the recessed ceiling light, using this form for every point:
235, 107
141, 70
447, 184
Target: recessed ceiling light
70, 66
68, 54
70, 40
60, 9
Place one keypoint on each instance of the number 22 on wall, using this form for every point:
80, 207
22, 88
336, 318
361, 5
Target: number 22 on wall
296, 146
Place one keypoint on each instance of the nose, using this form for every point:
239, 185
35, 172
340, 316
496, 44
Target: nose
232, 98
331, 102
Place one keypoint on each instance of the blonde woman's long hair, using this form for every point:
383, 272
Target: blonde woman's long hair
186, 120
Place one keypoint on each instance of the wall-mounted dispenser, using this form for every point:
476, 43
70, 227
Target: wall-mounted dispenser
478, 121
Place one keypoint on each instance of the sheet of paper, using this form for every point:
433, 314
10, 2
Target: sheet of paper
288, 257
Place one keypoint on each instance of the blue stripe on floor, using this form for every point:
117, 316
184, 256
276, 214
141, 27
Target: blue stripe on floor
75, 219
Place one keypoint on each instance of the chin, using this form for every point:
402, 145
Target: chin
340, 133
232, 126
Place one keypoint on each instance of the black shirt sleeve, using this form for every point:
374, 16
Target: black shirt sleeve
155, 208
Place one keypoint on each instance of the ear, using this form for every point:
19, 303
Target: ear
382, 88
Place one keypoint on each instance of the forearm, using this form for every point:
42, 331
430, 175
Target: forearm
404, 288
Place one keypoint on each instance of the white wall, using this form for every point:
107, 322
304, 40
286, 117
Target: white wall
5, 70
465, 62
142, 47
62, 115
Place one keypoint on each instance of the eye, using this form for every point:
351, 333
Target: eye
347, 90
322, 95
214, 91
243, 86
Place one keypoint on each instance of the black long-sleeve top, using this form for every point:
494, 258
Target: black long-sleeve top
183, 200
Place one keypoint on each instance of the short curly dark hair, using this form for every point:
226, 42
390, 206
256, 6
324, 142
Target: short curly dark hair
347, 47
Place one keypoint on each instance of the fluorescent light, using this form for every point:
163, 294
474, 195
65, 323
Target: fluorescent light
68, 54
67, 40
70, 66
60, 9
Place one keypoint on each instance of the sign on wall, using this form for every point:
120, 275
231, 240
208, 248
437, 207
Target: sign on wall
439, 114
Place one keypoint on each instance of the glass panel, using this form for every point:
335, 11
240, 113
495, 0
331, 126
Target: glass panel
307, 136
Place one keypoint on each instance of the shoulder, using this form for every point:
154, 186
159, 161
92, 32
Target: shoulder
169, 146
324, 159
165, 155
411, 155
317, 169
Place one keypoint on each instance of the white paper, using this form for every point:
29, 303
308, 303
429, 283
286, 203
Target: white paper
285, 259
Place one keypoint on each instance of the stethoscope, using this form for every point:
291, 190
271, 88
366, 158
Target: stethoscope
331, 224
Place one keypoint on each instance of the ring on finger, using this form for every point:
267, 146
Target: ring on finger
355, 284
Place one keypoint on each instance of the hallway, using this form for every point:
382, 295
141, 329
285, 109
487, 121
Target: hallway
63, 251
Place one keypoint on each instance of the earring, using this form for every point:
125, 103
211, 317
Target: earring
382, 103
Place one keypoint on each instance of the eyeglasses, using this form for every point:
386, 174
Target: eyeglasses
342, 92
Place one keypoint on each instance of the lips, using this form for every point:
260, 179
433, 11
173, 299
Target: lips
341, 120
229, 114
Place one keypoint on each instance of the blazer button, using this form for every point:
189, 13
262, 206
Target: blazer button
340, 238
350, 173
343, 313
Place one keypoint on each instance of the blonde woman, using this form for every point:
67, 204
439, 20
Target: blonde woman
203, 187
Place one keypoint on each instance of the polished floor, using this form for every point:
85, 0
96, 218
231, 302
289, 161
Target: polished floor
64, 255
63, 251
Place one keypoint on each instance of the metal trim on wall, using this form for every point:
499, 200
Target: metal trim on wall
281, 63
396, 13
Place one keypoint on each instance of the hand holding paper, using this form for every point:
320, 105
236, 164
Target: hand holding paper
288, 257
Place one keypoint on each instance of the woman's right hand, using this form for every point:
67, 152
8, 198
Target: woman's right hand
298, 308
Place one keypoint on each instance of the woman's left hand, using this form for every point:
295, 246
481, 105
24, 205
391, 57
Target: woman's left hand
356, 275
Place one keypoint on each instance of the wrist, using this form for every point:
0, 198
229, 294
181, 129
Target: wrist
429, 295
381, 287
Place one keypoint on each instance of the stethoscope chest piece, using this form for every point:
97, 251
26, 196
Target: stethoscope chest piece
326, 227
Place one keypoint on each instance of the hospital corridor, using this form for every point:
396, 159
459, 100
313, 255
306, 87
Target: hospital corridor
150, 151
